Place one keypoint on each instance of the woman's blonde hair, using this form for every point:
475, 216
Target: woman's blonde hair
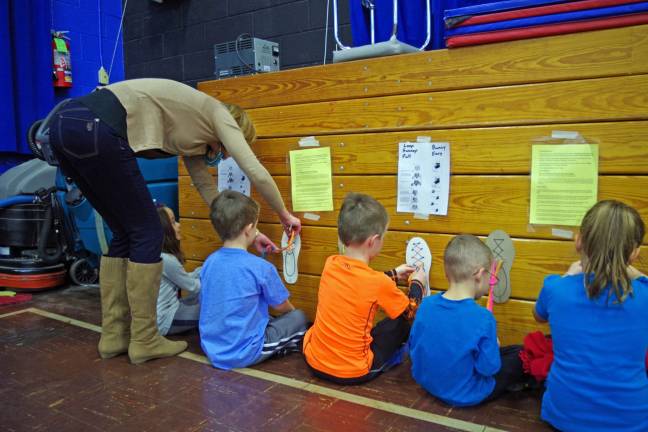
244, 122
609, 234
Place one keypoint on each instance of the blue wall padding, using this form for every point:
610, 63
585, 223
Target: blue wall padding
551, 19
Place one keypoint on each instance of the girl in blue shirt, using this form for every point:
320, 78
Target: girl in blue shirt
598, 314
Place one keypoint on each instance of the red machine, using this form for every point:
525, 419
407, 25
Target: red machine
61, 58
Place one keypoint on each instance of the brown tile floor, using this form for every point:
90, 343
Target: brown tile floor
52, 379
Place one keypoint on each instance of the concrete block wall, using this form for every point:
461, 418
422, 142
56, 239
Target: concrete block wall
175, 39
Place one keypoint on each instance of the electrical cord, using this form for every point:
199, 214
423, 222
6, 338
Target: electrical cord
121, 24
326, 29
236, 47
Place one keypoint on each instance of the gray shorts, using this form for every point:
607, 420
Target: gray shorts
283, 334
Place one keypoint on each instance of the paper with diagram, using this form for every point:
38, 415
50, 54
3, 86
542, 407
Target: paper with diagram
423, 178
230, 176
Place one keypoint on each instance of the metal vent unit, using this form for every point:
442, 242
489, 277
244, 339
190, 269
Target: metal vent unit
249, 56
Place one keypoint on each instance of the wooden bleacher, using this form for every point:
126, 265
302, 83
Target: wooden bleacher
490, 102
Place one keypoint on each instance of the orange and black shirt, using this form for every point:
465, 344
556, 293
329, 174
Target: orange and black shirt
350, 292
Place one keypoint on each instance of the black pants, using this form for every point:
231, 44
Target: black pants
389, 336
511, 373
104, 167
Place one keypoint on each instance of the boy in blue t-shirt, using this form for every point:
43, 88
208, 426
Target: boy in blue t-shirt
237, 289
454, 349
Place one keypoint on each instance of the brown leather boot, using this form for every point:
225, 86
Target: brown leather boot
115, 324
143, 285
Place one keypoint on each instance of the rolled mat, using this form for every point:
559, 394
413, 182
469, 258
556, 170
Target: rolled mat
580, 15
548, 30
495, 7
535, 11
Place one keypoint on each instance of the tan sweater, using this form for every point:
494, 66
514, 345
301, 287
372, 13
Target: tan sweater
177, 119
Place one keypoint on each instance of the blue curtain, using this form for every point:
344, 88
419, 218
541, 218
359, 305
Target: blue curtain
26, 92
411, 21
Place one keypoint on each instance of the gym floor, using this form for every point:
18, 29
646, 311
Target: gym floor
53, 379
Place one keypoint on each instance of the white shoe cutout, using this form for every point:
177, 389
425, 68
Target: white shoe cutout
501, 245
290, 258
417, 253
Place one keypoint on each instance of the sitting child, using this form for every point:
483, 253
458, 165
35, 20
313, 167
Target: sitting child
237, 289
342, 346
599, 326
175, 315
454, 349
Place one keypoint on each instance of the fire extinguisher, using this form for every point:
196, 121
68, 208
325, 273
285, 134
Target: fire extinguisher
61, 57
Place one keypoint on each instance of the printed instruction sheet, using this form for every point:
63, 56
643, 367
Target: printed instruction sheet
230, 176
423, 178
564, 183
310, 179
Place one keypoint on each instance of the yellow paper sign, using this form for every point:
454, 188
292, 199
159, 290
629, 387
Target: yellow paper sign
311, 183
564, 183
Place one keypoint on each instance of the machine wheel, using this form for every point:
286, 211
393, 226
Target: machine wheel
31, 140
83, 273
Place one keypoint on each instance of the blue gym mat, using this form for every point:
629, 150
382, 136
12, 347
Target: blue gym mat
496, 7
550, 19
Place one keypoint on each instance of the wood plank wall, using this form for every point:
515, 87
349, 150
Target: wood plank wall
490, 102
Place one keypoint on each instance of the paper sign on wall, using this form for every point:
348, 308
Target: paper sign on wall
230, 176
564, 183
423, 177
310, 179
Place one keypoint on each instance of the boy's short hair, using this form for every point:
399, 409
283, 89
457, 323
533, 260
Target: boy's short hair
231, 212
464, 255
361, 216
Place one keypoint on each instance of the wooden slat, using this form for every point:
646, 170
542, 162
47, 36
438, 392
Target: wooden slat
478, 204
604, 99
534, 259
574, 56
623, 149
514, 318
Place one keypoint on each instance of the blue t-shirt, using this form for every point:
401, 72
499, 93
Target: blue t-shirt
237, 288
454, 351
597, 381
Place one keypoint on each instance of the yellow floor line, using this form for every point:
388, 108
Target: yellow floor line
301, 385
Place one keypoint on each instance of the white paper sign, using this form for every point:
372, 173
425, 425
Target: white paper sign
423, 178
231, 177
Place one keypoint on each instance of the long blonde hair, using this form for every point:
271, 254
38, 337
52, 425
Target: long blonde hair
609, 234
244, 122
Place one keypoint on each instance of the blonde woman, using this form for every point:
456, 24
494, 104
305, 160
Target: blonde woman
97, 137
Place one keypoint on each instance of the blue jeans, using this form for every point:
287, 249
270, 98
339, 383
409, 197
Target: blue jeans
104, 167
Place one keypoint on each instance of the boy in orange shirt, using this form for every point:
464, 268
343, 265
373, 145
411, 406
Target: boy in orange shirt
341, 346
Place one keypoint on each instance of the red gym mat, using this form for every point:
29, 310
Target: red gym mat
548, 30
17, 299
539, 11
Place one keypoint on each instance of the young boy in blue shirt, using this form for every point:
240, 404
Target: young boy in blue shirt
454, 349
237, 289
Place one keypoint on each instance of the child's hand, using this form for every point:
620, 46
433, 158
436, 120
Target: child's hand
574, 269
263, 244
419, 275
403, 271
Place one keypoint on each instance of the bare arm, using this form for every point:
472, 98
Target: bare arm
201, 178
284, 307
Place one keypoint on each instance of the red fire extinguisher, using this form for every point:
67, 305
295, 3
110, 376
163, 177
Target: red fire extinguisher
61, 57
